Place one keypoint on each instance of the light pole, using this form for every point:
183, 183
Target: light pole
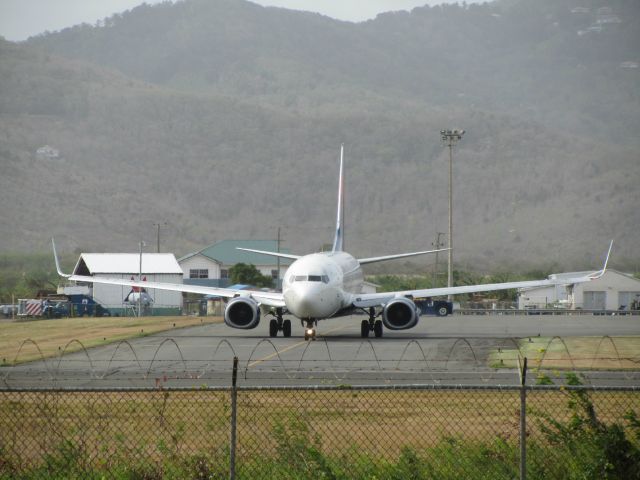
158, 225
141, 244
450, 137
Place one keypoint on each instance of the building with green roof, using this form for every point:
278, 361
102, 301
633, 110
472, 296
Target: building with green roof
210, 266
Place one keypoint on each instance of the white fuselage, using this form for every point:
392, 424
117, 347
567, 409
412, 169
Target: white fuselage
319, 285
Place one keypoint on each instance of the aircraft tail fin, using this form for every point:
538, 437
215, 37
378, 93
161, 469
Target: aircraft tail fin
338, 241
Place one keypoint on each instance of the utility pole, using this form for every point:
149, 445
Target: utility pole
437, 245
278, 262
158, 225
141, 244
450, 137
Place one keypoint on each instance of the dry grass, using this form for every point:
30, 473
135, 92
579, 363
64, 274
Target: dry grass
156, 423
54, 336
592, 353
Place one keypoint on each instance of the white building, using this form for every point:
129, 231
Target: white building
612, 291
156, 267
210, 266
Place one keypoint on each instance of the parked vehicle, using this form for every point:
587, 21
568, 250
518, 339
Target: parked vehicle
439, 308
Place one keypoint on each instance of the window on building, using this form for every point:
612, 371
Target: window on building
199, 273
274, 274
629, 300
224, 273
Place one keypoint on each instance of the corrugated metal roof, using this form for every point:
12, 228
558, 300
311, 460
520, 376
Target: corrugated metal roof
129, 263
226, 253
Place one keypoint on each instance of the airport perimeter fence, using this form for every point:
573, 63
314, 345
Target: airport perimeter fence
341, 432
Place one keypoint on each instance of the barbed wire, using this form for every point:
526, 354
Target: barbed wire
437, 361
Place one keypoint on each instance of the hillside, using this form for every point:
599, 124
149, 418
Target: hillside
224, 119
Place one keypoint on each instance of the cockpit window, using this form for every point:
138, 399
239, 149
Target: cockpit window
310, 278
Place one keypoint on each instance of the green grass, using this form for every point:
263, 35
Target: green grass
571, 353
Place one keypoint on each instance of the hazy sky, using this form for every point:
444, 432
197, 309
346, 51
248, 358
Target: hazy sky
20, 19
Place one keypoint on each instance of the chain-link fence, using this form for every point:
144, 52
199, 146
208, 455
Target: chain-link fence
322, 432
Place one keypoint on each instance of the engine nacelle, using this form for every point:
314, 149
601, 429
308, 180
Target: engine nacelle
400, 314
242, 312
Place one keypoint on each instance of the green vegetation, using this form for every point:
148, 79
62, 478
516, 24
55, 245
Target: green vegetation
248, 274
592, 448
23, 275
171, 435
570, 353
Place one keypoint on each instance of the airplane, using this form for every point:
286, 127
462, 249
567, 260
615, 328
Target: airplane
325, 285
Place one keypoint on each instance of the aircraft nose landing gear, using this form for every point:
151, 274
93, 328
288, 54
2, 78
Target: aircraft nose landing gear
309, 330
279, 324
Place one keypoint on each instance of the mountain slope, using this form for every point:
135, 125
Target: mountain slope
255, 146
524, 57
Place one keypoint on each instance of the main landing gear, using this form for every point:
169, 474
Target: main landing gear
309, 330
278, 324
371, 325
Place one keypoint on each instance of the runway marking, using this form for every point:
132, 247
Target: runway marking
291, 347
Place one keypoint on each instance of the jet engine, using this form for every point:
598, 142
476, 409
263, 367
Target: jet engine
242, 312
400, 314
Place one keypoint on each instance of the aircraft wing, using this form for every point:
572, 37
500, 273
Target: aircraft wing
271, 299
376, 299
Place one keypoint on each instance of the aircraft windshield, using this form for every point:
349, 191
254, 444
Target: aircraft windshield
311, 278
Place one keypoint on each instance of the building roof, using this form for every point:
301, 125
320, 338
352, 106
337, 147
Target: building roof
225, 252
127, 263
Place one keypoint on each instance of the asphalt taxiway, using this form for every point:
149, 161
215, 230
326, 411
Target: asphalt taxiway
452, 350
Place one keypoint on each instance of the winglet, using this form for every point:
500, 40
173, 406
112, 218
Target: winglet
338, 241
600, 273
55, 256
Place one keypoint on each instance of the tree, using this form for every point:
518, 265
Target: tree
250, 275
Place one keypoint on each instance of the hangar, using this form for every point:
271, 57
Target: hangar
156, 267
613, 291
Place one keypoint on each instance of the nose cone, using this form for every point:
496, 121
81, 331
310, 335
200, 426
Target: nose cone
310, 300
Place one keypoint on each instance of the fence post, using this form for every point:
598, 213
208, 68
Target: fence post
523, 418
234, 398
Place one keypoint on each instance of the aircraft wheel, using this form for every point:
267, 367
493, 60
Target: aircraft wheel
286, 328
364, 328
377, 328
273, 328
